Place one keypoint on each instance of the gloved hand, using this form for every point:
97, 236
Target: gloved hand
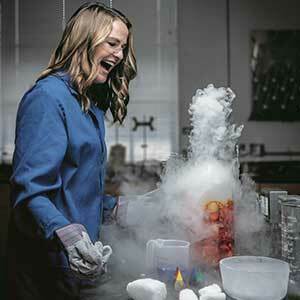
86, 259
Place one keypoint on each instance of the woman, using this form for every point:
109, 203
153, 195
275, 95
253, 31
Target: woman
60, 156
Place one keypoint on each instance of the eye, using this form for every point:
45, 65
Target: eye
112, 44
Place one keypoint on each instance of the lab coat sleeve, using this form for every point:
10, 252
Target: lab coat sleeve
109, 203
40, 146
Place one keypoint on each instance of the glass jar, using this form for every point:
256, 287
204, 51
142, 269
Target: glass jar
290, 234
219, 219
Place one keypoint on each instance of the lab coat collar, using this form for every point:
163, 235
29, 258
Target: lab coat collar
65, 77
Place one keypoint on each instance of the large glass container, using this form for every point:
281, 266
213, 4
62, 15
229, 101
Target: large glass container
218, 217
290, 233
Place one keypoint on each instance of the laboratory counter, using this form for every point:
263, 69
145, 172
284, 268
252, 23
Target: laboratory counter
113, 287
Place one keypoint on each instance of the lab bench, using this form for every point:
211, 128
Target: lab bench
113, 287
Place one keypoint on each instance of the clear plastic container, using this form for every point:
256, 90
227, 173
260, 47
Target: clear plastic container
254, 277
165, 256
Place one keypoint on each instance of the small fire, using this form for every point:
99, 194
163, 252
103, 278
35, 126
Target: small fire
179, 283
218, 215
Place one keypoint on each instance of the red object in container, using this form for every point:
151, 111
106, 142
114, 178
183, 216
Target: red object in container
220, 244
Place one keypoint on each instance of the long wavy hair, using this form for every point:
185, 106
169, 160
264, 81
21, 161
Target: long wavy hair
89, 26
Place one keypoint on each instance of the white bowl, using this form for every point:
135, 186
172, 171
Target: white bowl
254, 277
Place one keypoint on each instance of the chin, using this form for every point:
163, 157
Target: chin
100, 79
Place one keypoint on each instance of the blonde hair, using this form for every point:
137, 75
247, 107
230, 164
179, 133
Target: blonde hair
89, 26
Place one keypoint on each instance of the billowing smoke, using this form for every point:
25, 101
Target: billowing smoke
212, 136
210, 172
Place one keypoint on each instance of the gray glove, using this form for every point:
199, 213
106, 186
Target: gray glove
86, 259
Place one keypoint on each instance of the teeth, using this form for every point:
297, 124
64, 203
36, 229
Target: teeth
109, 62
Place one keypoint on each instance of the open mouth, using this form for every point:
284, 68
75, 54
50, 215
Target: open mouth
107, 65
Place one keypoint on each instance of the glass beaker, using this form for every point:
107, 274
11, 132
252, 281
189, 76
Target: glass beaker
163, 257
219, 216
290, 234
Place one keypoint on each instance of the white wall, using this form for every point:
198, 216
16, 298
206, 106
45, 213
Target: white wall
28, 43
30, 31
202, 55
203, 59
154, 91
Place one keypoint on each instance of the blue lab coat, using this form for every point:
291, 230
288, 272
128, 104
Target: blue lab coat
58, 171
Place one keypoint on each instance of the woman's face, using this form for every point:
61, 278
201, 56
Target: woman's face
109, 53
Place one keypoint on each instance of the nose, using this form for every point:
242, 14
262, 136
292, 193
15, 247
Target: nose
118, 53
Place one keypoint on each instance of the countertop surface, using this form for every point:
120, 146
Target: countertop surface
124, 268
113, 287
